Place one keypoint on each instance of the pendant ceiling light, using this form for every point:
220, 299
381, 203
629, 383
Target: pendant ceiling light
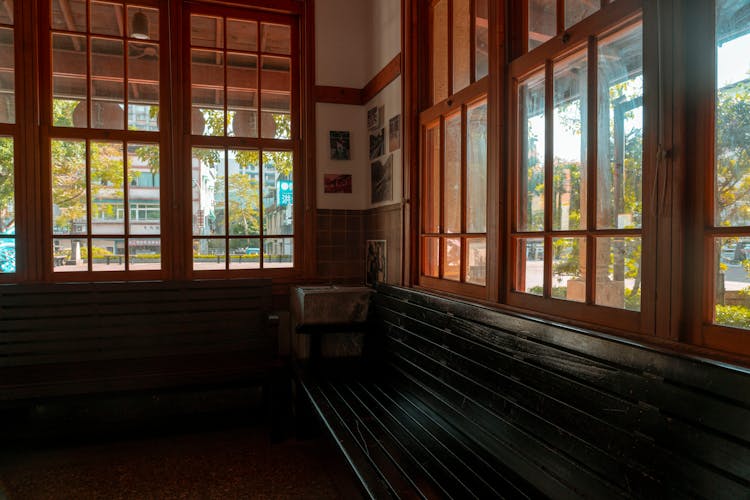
140, 26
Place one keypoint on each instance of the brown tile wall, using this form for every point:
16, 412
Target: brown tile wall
341, 247
384, 223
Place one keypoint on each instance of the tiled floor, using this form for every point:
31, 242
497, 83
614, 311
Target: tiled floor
226, 464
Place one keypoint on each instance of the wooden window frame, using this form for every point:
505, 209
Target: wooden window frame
294, 144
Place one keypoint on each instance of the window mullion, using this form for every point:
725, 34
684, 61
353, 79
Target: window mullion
591, 173
549, 122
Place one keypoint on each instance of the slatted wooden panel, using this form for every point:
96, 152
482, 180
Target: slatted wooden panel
575, 413
135, 334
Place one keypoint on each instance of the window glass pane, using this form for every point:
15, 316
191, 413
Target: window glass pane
476, 261
529, 272
439, 47
206, 31
107, 83
275, 38
620, 112
278, 252
476, 168
70, 255
732, 172
242, 95
106, 18
276, 98
6, 14
452, 180
452, 253
542, 21
143, 86
145, 254
7, 187
482, 43
431, 187
242, 35
569, 163
107, 188
278, 199
244, 193
532, 152
618, 273
244, 253
136, 22
7, 77
69, 81
732, 285
108, 254
68, 15
431, 257
569, 269
143, 189
208, 192
461, 44
69, 204
577, 10
7, 255
207, 78
209, 254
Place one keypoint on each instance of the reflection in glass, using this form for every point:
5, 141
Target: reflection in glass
209, 254
7, 77
278, 199
461, 44
452, 252
69, 204
6, 15
206, 31
481, 42
732, 147
569, 162
476, 168
144, 179
152, 15
244, 253
276, 98
107, 83
244, 193
275, 38
620, 111
108, 254
569, 269
476, 261
531, 174
68, 16
143, 86
542, 21
145, 254
69, 108
207, 79
618, 272
732, 282
529, 272
452, 175
208, 192
578, 10
242, 35
70, 255
107, 188
439, 46
105, 18
242, 95
431, 257
431, 186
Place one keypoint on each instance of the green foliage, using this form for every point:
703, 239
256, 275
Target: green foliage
7, 185
733, 154
736, 316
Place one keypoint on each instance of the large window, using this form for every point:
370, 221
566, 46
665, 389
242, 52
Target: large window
8, 133
454, 145
104, 110
243, 122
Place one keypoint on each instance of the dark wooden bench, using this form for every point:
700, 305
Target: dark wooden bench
458, 400
73, 339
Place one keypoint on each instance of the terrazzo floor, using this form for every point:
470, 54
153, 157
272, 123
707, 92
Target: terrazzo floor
225, 464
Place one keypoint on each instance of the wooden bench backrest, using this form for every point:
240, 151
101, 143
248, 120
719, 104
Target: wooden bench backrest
575, 412
76, 322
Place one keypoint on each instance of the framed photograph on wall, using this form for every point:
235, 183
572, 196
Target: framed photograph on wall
337, 183
375, 261
340, 146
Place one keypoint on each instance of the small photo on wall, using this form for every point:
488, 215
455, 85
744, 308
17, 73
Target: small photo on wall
375, 262
375, 117
337, 183
377, 144
382, 180
340, 149
394, 133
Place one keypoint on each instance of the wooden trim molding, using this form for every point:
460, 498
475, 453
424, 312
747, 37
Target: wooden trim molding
360, 97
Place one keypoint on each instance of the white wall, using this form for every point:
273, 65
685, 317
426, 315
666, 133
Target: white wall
385, 33
342, 43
